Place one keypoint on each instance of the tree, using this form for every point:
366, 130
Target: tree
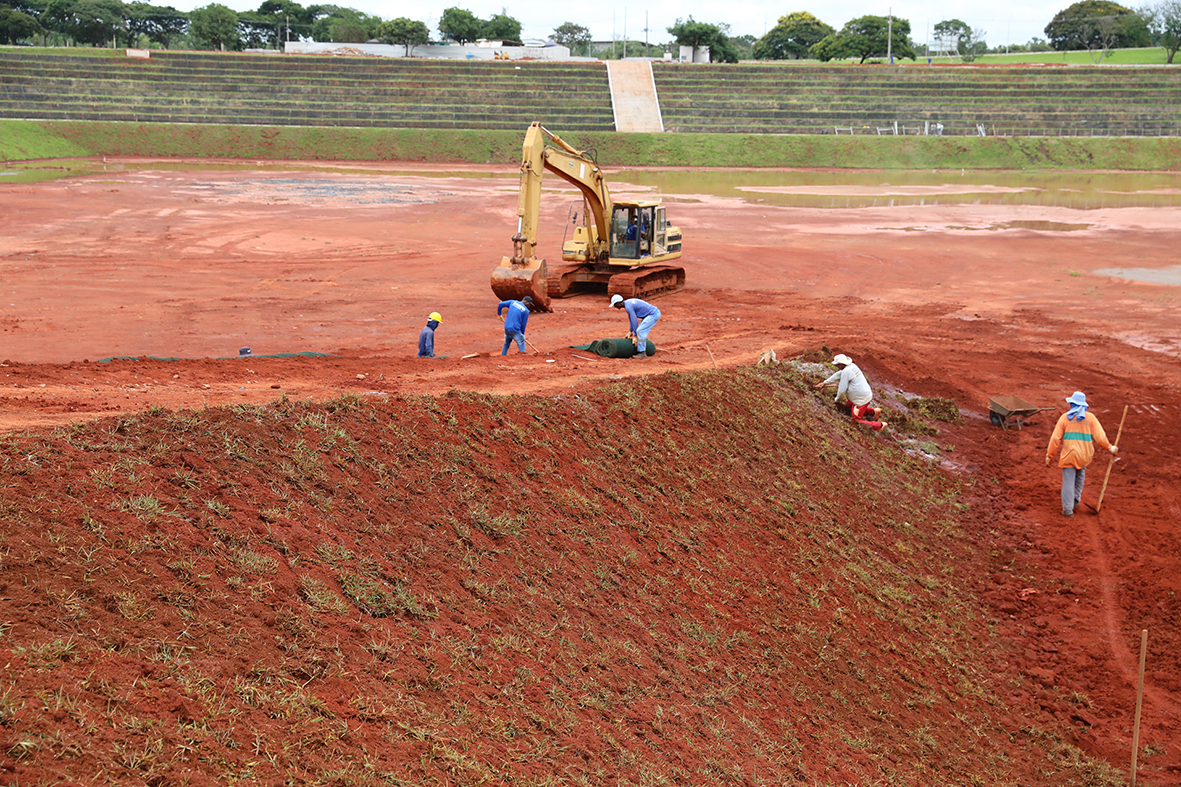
259, 31
950, 34
271, 24
15, 25
1097, 24
161, 24
407, 32
1164, 23
791, 38
215, 26
698, 34
743, 46
968, 41
341, 25
460, 26
576, 37
866, 37
33, 8
502, 27
94, 22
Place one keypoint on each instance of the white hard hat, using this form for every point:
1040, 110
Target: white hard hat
842, 360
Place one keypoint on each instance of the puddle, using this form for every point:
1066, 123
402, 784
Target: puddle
303, 191
1147, 275
855, 189
801, 188
1040, 226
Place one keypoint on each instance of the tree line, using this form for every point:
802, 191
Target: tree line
215, 26
1095, 25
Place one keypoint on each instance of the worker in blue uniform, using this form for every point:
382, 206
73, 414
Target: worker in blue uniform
515, 322
641, 316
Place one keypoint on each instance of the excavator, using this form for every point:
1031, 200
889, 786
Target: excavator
621, 247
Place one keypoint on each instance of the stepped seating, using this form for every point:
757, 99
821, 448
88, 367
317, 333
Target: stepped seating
305, 90
1015, 101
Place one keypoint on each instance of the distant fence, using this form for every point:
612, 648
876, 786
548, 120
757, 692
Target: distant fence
928, 129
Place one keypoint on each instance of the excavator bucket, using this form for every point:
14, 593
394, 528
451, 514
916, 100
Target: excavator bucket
513, 281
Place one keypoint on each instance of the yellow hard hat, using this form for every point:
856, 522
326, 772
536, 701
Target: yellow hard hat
435, 316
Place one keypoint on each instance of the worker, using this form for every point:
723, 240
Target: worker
515, 322
1076, 433
426, 339
853, 393
641, 316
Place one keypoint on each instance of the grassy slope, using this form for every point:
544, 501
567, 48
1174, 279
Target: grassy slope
690, 579
22, 138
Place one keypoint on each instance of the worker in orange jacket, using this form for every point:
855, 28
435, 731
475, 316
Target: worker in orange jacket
1076, 433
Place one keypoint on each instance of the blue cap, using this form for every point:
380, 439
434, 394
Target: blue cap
1078, 397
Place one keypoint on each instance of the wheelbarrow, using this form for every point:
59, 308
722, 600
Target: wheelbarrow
1005, 411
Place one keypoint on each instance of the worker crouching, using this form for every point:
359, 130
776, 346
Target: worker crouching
853, 393
426, 339
641, 316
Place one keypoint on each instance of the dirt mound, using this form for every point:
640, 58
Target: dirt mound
704, 578
155, 260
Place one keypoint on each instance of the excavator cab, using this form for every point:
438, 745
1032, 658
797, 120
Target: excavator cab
632, 231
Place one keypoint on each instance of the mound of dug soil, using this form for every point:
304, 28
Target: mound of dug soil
702, 578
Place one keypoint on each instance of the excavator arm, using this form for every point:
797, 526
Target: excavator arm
523, 273
572, 166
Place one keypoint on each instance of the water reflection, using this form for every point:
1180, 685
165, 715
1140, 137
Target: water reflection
798, 188
873, 189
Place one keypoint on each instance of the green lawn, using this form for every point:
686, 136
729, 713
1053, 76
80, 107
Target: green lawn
1147, 56
75, 51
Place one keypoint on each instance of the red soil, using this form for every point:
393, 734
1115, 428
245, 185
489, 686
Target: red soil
194, 265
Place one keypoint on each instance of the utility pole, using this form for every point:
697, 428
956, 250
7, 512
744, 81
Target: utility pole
625, 34
645, 34
890, 36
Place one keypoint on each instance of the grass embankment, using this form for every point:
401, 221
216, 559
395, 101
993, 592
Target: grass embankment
687, 579
23, 140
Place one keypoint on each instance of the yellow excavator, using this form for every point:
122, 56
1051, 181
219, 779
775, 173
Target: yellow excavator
621, 246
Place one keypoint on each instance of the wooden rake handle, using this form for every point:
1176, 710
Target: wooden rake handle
1107, 475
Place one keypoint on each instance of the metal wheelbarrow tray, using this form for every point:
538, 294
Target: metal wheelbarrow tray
1006, 410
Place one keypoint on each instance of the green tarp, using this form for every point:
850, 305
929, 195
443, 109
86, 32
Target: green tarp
614, 348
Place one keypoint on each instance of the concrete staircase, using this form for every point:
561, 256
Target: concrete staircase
633, 96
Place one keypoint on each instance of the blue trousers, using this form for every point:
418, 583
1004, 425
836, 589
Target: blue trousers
1072, 488
642, 332
509, 338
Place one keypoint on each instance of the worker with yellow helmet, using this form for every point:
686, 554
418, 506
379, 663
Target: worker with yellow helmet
426, 339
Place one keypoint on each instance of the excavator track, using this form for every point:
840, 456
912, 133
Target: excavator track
574, 279
647, 282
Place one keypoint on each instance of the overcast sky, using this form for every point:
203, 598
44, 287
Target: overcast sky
1004, 21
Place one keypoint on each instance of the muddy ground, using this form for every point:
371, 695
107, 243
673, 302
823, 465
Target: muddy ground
932, 300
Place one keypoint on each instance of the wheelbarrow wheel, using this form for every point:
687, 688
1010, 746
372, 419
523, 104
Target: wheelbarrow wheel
996, 419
